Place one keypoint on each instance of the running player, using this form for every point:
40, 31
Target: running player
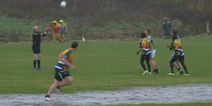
153, 52
62, 76
177, 64
36, 40
145, 55
178, 53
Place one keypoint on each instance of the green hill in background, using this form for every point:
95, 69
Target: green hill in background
103, 19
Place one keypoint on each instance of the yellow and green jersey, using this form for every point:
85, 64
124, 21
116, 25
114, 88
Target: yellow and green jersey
68, 55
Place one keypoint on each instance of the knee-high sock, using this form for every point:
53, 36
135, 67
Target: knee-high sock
142, 59
148, 65
183, 65
34, 63
171, 66
38, 61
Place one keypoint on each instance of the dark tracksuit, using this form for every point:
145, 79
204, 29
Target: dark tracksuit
36, 40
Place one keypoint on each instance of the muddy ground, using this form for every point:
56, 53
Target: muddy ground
162, 94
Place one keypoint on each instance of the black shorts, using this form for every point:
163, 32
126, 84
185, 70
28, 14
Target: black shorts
146, 54
61, 75
36, 49
177, 55
145, 57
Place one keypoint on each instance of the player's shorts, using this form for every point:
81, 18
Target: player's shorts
145, 55
61, 72
153, 53
36, 49
177, 55
61, 75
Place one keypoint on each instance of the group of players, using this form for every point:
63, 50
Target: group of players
148, 52
59, 30
147, 48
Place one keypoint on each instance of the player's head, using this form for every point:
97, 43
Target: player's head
74, 45
36, 28
142, 35
54, 22
61, 21
174, 32
147, 32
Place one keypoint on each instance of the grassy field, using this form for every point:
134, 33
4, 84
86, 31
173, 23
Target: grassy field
100, 65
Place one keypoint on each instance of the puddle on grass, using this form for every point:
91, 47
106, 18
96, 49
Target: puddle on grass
197, 93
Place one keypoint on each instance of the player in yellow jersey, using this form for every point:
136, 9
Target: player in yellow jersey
56, 31
178, 54
152, 60
62, 76
144, 46
63, 30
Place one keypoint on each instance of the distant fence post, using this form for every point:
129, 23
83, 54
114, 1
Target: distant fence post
208, 27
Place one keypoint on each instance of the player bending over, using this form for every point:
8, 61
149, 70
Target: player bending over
62, 76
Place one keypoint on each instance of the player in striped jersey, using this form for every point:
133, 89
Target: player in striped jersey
62, 75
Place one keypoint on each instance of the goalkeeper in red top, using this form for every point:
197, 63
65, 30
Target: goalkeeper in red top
62, 76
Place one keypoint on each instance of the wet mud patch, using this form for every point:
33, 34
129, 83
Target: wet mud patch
197, 93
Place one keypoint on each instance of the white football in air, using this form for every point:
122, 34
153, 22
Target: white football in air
63, 4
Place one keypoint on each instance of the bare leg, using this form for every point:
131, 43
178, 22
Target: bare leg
35, 56
151, 63
181, 60
38, 56
53, 87
154, 65
177, 65
171, 63
35, 59
142, 59
38, 60
67, 81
